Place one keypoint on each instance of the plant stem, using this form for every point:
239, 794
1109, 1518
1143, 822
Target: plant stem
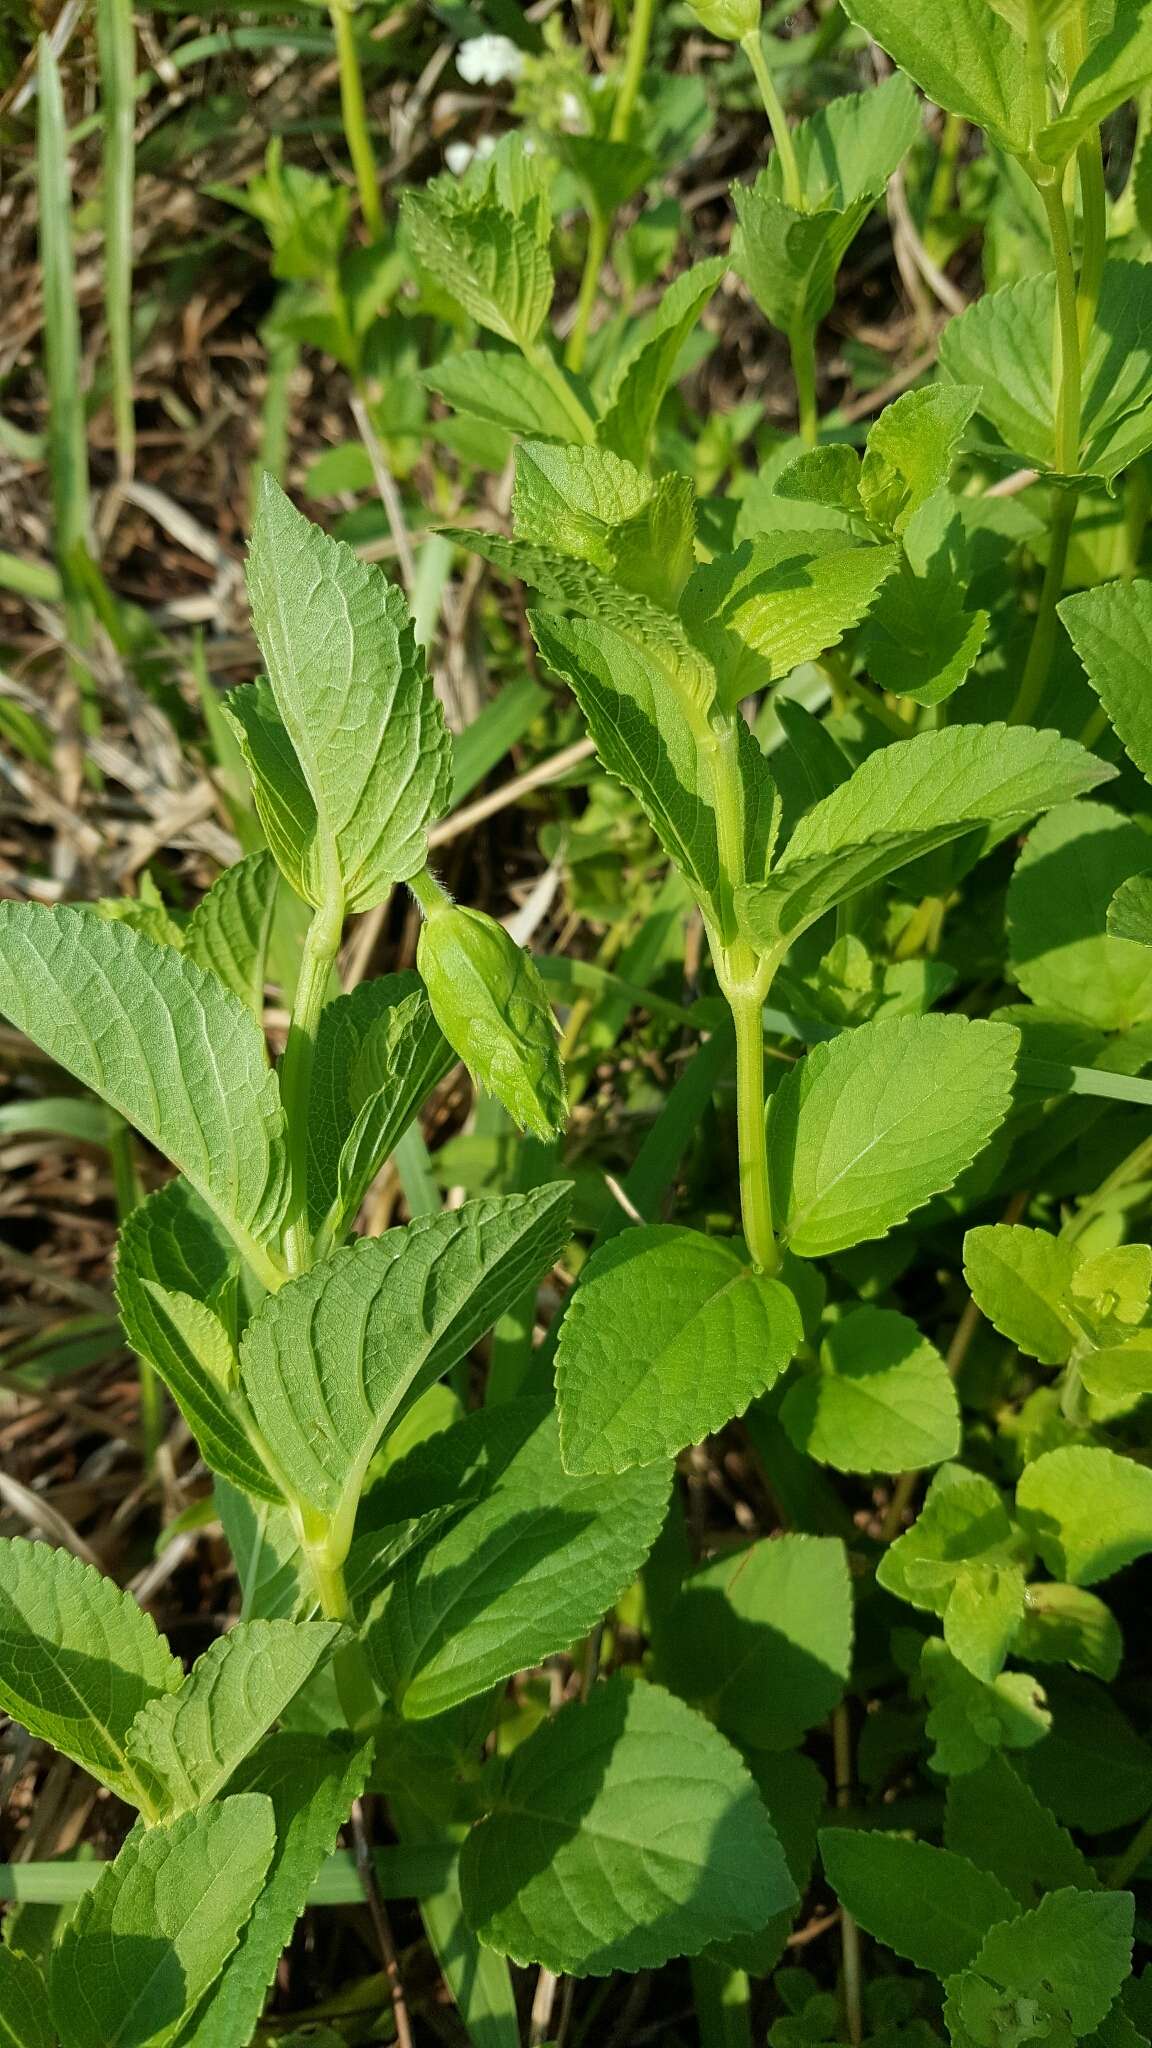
599, 230
126, 1181
849, 1931
942, 191
802, 346
320, 948
116, 40
747, 1006
639, 37
542, 360
354, 1684
753, 48
356, 116
1066, 393
1034, 680
1093, 198
1129, 1860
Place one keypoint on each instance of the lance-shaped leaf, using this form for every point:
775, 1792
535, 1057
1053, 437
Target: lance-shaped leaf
1111, 629
962, 55
668, 1335
312, 1782
529, 1566
993, 1817
25, 2019
905, 800
175, 1288
163, 1042
78, 1660
638, 1812
229, 929
493, 263
999, 344
363, 765
158, 1926
330, 1361
871, 1124
490, 1002
185, 1746
645, 374
777, 602
379, 1053
929, 1905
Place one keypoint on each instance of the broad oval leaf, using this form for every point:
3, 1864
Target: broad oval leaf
870, 1125
1021, 1280
881, 1401
330, 1361
1088, 1511
668, 1335
159, 1925
162, 1041
1063, 955
360, 717
627, 1831
519, 1571
186, 1745
1111, 629
78, 1660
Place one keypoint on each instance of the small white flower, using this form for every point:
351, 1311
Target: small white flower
571, 110
489, 60
458, 155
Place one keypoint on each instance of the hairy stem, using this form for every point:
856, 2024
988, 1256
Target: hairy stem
356, 116
316, 962
753, 48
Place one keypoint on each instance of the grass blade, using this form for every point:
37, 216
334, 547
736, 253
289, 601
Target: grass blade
116, 40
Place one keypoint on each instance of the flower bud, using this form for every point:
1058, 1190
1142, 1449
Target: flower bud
732, 19
490, 1003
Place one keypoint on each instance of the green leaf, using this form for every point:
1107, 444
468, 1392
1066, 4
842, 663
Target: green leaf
761, 1639
357, 706
994, 1818
648, 366
779, 601
229, 929
931, 1906
668, 1335
79, 1660
633, 1806
920, 640
497, 385
905, 800
312, 1782
984, 1611
329, 1362
1062, 954
870, 1125
961, 55
526, 1569
592, 504
828, 475
731, 19
911, 450
1021, 1280
24, 2019
1003, 342
489, 1001
1088, 1511
379, 1054
492, 263
145, 1028
159, 1925
186, 1745
1066, 1625
1094, 1770
963, 1521
173, 1264
970, 1717
882, 1401
1130, 911
1075, 1945
1111, 629
1115, 69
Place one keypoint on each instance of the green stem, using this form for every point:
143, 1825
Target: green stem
802, 345
1066, 393
753, 48
639, 37
747, 1006
356, 116
428, 893
1093, 197
542, 360
1039, 105
599, 230
126, 1182
354, 1682
116, 41
1129, 1860
316, 962
942, 191
1042, 647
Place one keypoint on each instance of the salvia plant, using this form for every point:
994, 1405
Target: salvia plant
879, 718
